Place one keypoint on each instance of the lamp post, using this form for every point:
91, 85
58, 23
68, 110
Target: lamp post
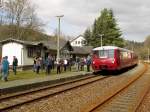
1, 3
1, 10
101, 35
58, 36
148, 55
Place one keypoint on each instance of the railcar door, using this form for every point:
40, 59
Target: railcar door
118, 58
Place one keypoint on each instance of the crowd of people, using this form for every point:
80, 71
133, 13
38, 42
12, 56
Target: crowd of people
41, 63
65, 64
48, 64
81, 62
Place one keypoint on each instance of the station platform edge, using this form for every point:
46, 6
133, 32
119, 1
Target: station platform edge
26, 84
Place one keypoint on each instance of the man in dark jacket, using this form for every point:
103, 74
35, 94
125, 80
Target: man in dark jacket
15, 64
48, 64
88, 63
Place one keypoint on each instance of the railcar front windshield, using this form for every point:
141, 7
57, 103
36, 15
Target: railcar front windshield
106, 53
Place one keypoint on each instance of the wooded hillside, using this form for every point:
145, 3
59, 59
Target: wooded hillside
10, 31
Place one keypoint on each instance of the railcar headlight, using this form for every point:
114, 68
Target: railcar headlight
113, 61
93, 62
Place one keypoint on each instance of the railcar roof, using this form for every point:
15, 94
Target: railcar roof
110, 47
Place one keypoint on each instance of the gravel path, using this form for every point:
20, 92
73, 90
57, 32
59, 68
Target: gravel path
129, 99
145, 105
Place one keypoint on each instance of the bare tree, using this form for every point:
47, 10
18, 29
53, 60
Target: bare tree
21, 13
1, 12
147, 41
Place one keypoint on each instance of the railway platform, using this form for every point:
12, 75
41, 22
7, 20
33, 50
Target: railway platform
26, 84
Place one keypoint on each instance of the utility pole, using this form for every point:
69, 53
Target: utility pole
101, 35
58, 37
1, 11
148, 55
1, 3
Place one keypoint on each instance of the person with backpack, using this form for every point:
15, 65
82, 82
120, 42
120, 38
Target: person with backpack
88, 63
48, 64
77, 63
38, 65
58, 63
65, 62
15, 64
5, 68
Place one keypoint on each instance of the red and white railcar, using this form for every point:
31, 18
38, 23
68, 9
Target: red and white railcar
112, 58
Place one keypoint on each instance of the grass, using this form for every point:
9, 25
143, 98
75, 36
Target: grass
29, 74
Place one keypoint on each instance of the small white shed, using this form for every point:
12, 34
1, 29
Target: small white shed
13, 49
23, 50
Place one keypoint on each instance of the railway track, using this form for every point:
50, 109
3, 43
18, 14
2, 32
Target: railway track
2, 97
15, 100
126, 99
78, 96
144, 104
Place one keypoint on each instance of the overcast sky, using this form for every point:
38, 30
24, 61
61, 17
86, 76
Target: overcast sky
133, 16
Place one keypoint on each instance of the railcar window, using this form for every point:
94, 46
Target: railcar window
129, 55
111, 53
124, 55
106, 53
95, 52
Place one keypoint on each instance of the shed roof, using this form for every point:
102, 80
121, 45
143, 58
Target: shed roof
19, 41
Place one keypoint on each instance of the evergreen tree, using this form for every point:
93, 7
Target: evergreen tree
87, 36
106, 25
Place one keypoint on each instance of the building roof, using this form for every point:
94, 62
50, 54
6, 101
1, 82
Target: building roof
82, 50
76, 38
19, 41
49, 44
52, 44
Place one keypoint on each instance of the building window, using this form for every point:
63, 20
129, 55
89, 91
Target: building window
78, 42
83, 42
30, 51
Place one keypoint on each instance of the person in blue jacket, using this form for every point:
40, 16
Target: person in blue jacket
5, 68
48, 64
88, 63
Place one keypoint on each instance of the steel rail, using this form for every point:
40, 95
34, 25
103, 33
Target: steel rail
97, 105
43, 88
97, 78
145, 95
